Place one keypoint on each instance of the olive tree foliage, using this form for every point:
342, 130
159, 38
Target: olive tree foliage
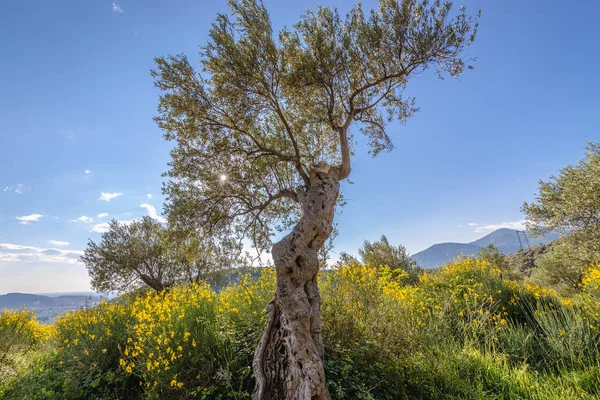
263, 134
198, 257
382, 253
569, 203
497, 259
263, 108
144, 253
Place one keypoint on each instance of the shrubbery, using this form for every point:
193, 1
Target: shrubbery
20, 334
462, 332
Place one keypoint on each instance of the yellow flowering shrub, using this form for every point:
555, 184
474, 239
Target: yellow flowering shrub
591, 279
249, 295
88, 343
174, 341
361, 302
20, 333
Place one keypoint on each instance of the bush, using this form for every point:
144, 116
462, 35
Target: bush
20, 334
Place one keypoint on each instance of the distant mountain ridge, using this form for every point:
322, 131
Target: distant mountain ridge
506, 240
46, 307
26, 300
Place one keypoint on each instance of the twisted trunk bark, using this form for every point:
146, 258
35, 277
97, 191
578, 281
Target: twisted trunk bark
288, 362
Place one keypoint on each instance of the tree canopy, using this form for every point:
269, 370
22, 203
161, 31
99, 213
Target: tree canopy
382, 253
569, 203
263, 108
146, 252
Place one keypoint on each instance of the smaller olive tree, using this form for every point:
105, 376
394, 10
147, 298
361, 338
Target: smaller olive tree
382, 253
497, 259
146, 252
569, 203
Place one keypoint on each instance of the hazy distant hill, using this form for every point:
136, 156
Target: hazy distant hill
46, 307
506, 240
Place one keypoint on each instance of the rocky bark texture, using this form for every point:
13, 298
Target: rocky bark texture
288, 362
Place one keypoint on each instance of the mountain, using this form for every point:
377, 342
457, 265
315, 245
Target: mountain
508, 241
440, 253
46, 307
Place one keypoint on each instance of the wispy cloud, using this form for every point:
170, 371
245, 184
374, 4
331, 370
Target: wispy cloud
102, 215
152, 213
29, 218
67, 133
472, 224
116, 8
83, 218
149, 195
18, 188
18, 253
59, 243
518, 225
109, 196
87, 171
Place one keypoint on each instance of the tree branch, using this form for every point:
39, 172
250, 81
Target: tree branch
344, 168
297, 161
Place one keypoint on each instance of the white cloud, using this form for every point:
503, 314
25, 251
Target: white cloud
149, 195
59, 243
472, 224
19, 188
152, 213
6, 188
100, 228
105, 226
18, 253
102, 215
87, 171
83, 218
518, 225
30, 218
116, 8
109, 196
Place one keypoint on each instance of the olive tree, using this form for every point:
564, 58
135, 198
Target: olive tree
263, 134
145, 252
129, 255
569, 203
381, 252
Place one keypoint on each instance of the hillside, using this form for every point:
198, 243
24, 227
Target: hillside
46, 307
524, 260
508, 241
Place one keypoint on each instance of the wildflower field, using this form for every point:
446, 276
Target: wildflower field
463, 332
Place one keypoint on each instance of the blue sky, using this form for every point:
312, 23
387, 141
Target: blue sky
76, 122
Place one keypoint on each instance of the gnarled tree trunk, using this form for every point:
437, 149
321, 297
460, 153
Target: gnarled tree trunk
288, 362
